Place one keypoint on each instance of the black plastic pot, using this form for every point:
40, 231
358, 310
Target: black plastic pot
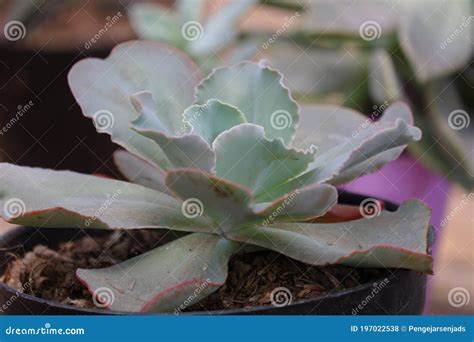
403, 292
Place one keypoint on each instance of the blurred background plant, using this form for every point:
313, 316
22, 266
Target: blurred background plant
366, 52
210, 36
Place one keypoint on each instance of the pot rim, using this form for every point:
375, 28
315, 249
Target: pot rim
344, 197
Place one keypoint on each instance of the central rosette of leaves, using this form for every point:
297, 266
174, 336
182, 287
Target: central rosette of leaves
234, 146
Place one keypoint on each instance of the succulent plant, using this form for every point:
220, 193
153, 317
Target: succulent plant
207, 38
228, 159
392, 50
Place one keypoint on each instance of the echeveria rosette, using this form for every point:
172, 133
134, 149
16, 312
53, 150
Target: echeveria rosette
223, 171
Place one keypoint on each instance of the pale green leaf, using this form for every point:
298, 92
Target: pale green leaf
231, 206
103, 89
212, 118
258, 92
138, 171
156, 22
64, 199
166, 279
246, 157
390, 239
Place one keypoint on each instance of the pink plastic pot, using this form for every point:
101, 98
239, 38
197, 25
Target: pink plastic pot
403, 179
